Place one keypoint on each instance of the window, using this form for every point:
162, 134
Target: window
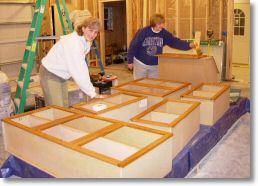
108, 18
239, 22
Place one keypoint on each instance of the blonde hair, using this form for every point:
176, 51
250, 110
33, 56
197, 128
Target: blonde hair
156, 19
91, 22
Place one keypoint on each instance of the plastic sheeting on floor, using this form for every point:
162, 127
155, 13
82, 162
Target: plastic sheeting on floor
15, 166
205, 139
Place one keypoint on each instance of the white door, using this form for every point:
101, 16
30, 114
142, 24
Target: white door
241, 39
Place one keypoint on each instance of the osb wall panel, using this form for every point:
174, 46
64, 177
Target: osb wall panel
199, 9
184, 28
139, 13
200, 17
171, 16
224, 22
171, 25
184, 19
214, 17
134, 15
199, 25
152, 7
184, 6
161, 6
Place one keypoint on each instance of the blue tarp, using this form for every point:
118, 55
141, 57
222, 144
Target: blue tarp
15, 166
204, 140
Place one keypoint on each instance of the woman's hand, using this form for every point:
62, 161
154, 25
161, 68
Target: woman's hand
130, 66
100, 96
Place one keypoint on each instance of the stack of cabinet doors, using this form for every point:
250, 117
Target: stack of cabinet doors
67, 144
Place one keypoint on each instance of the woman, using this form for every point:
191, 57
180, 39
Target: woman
66, 59
148, 43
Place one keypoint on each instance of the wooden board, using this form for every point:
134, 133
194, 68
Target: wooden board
183, 56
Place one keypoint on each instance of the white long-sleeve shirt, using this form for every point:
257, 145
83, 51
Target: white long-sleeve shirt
67, 59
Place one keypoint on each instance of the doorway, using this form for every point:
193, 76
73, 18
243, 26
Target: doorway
113, 37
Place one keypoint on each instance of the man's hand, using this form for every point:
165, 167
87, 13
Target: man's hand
130, 66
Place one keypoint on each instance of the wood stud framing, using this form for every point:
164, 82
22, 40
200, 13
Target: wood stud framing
138, 13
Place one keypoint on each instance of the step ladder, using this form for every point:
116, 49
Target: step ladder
29, 56
30, 50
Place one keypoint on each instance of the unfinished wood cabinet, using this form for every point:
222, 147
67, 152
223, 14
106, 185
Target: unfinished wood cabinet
120, 106
214, 99
188, 68
43, 116
155, 89
182, 118
112, 102
87, 146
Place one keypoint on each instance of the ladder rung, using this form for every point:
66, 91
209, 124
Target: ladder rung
28, 47
32, 29
42, 9
24, 66
20, 84
17, 102
36, 10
